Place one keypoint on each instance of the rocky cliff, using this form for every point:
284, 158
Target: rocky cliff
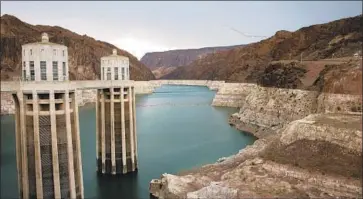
337, 39
84, 51
162, 63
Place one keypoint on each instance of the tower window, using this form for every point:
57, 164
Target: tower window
127, 73
32, 72
43, 70
103, 73
55, 70
31, 52
108, 73
63, 53
116, 73
123, 73
54, 52
24, 74
24, 71
64, 69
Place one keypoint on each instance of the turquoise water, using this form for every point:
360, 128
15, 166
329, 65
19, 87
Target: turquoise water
177, 130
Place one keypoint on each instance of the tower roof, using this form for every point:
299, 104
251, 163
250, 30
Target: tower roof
115, 55
44, 41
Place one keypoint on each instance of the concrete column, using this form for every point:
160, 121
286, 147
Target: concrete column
113, 155
97, 123
78, 142
23, 147
72, 186
57, 193
131, 129
37, 155
123, 138
103, 129
135, 132
18, 143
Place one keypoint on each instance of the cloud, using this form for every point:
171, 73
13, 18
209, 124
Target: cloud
138, 47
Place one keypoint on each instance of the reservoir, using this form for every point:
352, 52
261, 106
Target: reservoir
177, 129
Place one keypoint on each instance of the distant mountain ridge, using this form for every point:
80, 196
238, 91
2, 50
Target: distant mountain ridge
336, 39
84, 51
162, 63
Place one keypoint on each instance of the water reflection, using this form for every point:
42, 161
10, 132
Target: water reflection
109, 186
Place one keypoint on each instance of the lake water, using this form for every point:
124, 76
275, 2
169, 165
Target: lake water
177, 129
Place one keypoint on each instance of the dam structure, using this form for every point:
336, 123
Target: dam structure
116, 144
47, 127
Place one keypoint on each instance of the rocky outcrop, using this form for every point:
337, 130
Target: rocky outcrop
233, 94
161, 71
344, 78
318, 156
84, 51
264, 110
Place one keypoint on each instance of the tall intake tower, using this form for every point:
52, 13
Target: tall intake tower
116, 141
47, 128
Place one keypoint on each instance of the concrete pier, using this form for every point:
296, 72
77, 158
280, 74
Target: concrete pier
47, 144
116, 132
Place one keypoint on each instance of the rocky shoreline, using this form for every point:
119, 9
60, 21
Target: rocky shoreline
309, 146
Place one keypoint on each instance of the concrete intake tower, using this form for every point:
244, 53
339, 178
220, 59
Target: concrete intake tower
116, 141
47, 128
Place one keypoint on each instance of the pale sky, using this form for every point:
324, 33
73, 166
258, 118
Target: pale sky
141, 27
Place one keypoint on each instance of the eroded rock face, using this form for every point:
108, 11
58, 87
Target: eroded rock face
233, 94
266, 110
344, 130
279, 166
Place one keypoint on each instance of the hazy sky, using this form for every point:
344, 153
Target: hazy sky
141, 27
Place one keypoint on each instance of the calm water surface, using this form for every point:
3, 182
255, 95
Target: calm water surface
177, 130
